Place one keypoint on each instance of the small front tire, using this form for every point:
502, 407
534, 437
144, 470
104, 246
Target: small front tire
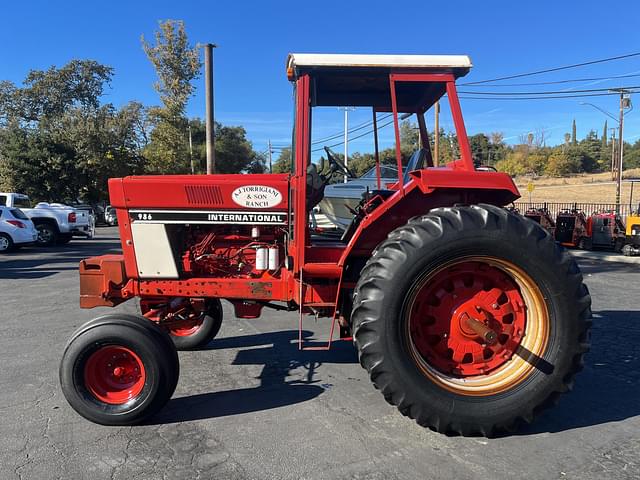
118, 370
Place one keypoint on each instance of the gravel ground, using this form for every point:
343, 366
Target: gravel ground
253, 406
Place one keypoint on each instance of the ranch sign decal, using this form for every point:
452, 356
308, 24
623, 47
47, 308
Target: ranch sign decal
256, 196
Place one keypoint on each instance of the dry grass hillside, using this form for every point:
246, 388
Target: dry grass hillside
586, 188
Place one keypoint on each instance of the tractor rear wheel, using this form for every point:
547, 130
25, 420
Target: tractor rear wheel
119, 370
471, 319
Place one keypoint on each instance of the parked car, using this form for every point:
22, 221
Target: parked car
92, 215
16, 230
110, 216
55, 222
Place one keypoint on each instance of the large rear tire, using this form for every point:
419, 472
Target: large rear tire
119, 370
471, 319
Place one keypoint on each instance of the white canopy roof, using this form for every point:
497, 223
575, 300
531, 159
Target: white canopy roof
388, 61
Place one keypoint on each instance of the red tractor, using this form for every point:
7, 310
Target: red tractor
571, 229
542, 217
467, 317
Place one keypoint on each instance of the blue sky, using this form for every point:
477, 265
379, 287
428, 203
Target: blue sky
254, 38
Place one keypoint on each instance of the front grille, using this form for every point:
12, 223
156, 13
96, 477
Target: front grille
203, 194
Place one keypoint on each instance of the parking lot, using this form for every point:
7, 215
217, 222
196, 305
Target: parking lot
252, 406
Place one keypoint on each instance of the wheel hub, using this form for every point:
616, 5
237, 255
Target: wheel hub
114, 374
468, 319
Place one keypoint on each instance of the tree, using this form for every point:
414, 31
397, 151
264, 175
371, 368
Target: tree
283, 162
604, 135
574, 140
409, 138
234, 152
560, 164
590, 151
177, 64
59, 143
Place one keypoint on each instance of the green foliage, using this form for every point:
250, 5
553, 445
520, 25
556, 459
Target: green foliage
560, 164
234, 153
283, 162
632, 155
177, 64
58, 142
523, 160
573, 133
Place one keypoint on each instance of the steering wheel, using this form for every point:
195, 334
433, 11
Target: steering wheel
336, 163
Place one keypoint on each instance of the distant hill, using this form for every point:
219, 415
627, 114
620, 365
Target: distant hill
584, 188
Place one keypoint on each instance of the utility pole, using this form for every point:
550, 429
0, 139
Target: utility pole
270, 168
436, 141
191, 151
208, 80
346, 139
625, 102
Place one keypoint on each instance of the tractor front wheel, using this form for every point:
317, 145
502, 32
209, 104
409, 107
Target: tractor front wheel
199, 328
471, 319
119, 370
190, 323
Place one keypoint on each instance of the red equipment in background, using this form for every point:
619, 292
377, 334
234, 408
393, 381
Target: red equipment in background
542, 217
571, 229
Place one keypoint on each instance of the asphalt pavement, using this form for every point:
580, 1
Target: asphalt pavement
251, 406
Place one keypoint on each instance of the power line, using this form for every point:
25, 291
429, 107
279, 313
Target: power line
354, 129
555, 69
556, 82
354, 138
557, 92
544, 97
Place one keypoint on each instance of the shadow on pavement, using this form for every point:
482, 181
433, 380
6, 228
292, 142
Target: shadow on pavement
42, 262
591, 266
608, 389
605, 391
278, 353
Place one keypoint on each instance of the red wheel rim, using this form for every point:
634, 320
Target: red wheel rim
453, 299
449, 350
188, 327
114, 374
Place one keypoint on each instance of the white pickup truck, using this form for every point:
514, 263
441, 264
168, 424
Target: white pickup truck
55, 222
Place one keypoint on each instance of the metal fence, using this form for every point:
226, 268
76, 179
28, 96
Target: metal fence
587, 208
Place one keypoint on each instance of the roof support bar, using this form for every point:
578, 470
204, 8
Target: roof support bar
396, 126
